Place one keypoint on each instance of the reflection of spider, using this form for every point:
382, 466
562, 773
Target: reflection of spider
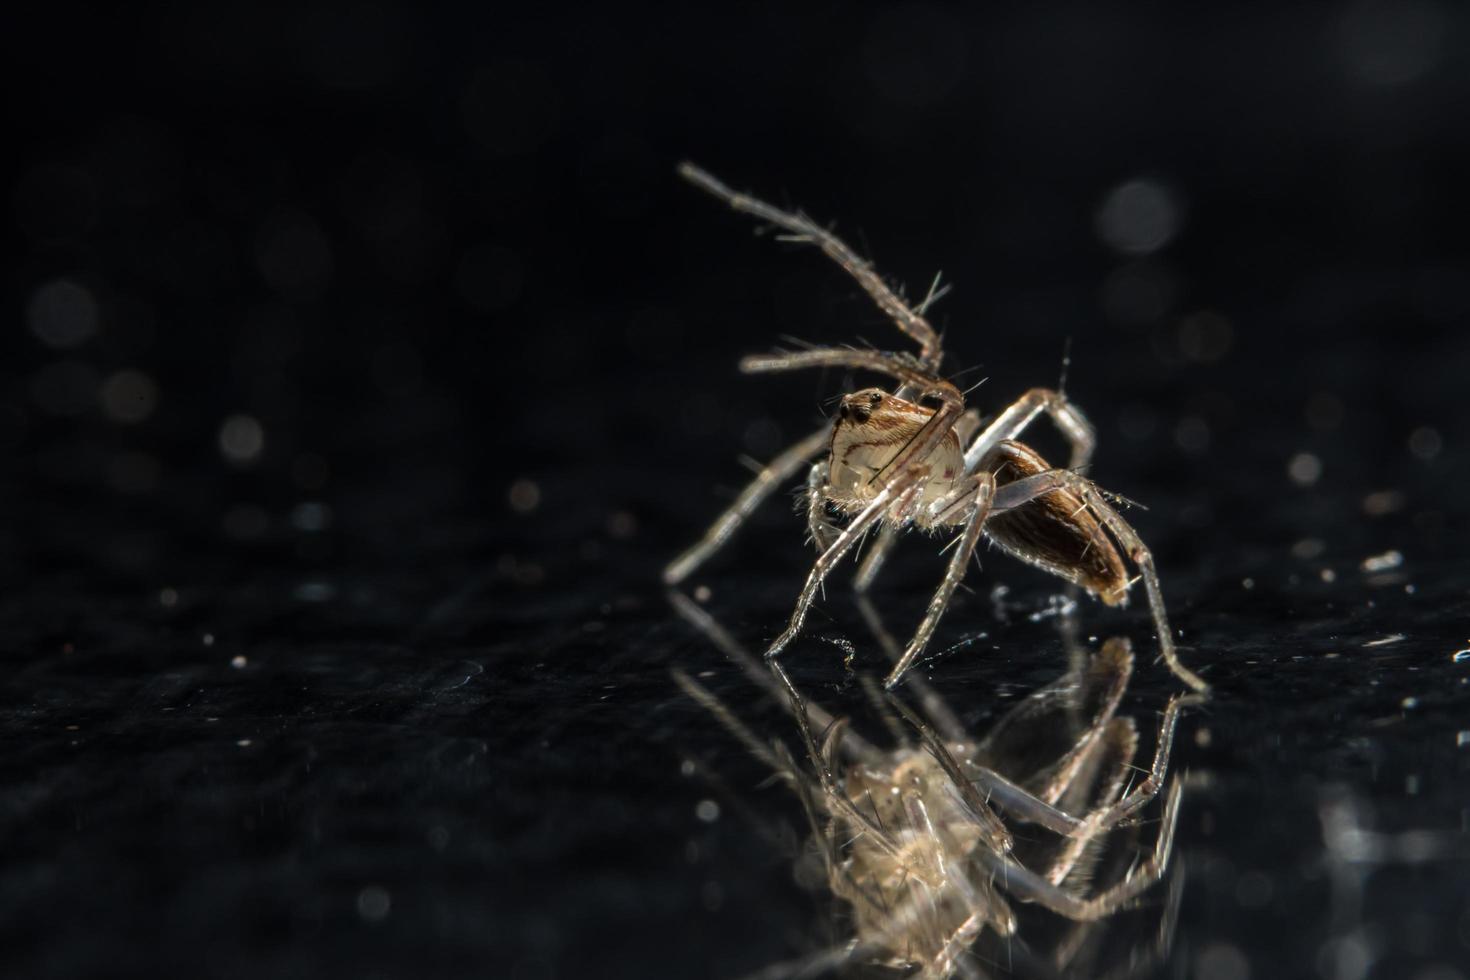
915, 456
912, 840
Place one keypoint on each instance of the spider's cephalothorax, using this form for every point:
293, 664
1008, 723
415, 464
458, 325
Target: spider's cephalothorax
872, 428
916, 456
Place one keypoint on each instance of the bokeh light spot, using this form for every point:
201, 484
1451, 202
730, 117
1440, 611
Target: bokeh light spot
1139, 217
241, 440
63, 314
128, 396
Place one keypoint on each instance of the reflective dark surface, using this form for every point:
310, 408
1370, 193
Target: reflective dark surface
365, 366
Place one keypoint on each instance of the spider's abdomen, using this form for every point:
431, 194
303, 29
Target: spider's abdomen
1057, 531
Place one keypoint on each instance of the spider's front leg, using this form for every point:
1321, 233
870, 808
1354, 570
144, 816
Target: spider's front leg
975, 494
902, 490
888, 536
899, 482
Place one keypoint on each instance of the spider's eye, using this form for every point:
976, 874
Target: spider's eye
876, 397
842, 412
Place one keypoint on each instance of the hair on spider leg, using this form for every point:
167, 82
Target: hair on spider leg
923, 842
916, 457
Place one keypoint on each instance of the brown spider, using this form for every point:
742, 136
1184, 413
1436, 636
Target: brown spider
916, 456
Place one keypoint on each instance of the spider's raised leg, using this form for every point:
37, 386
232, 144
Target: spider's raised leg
902, 367
930, 434
777, 471
975, 495
1010, 423
804, 229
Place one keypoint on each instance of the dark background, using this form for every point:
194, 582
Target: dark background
365, 364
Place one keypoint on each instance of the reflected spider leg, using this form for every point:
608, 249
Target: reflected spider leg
777, 471
1145, 791
935, 709
1024, 804
804, 229
1112, 754
1027, 885
1110, 670
857, 747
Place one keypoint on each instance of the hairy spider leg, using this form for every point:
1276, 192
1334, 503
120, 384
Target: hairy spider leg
823, 532
1029, 886
888, 535
1029, 488
1023, 804
976, 498
804, 229
901, 491
776, 472
1016, 417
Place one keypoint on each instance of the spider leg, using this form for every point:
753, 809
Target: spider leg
1110, 761
901, 367
1110, 671
888, 536
937, 712
977, 496
859, 748
822, 530
902, 489
1029, 886
873, 561
997, 837
773, 475
1021, 491
998, 790
1146, 790
907, 319
1010, 423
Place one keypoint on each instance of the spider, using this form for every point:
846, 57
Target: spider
911, 838
916, 457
